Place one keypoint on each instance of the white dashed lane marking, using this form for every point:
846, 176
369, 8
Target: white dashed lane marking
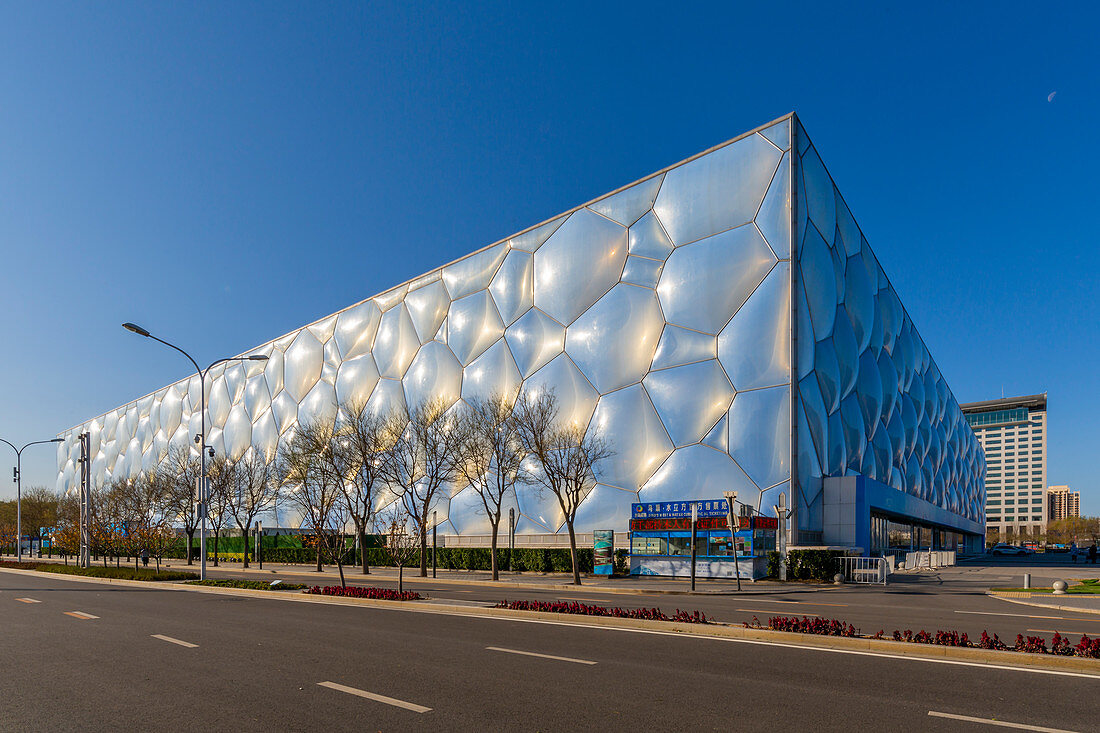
170, 640
536, 654
80, 615
376, 697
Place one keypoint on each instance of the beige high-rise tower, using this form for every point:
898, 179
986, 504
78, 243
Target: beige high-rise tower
1062, 503
1013, 433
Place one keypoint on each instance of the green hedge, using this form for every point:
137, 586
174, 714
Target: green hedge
806, 564
124, 573
539, 560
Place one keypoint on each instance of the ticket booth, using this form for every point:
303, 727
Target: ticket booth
660, 541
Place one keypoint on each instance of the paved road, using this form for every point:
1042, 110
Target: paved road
951, 599
93, 658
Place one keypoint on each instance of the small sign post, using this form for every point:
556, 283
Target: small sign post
731, 519
603, 551
694, 522
781, 535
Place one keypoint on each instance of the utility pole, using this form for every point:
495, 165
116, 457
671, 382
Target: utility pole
694, 520
781, 535
734, 523
85, 500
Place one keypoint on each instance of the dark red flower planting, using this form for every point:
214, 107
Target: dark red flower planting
1059, 645
351, 591
648, 614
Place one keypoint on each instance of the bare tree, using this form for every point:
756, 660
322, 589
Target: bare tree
493, 456
313, 488
179, 471
424, 458
252, 490
220, 471
401, 545
363, 439
566, 457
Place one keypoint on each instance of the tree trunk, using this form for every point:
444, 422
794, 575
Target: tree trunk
340, 567
244, 538
363, 551
158, 564
216, 533
493, 561
573, 551
400, 578
424, 547
190, 542
318, 555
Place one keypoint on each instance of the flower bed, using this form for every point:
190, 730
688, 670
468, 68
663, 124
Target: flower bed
1059, 645
648, 614
354, 591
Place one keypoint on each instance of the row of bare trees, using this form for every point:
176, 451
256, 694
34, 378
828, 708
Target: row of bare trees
389, 472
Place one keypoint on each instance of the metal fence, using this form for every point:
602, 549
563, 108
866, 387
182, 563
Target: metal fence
870, 570
929, 560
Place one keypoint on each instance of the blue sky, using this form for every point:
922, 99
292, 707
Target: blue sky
225, 173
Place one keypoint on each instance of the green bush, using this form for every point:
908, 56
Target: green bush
124, 573
810, 564
247, 584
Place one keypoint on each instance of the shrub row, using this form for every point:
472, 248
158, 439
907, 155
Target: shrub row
806, 564
539, 560
1060, 645
123, 573
354, 591
15, 565
247, 584
649, 614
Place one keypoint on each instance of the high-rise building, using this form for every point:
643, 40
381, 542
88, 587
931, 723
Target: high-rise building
1013, 433
723, 324
1062, 503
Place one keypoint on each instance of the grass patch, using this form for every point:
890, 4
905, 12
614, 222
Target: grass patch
115, 573
246, 584
1085, 588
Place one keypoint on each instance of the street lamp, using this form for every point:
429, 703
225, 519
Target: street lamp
19, 492
201, 437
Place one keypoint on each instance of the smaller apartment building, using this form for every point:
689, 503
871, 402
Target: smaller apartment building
1062, 503
1013, 433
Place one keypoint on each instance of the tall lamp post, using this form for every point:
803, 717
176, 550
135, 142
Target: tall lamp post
19, 491
201, 437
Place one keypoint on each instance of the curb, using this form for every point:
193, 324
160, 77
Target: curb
1021, 660
1017, 600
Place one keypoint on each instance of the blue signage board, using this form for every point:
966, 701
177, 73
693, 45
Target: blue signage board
678, 509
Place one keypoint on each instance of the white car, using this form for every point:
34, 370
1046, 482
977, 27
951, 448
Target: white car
1006, 549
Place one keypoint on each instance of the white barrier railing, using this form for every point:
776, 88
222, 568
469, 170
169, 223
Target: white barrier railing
927, 560
869, 570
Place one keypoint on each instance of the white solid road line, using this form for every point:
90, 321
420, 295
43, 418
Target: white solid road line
170, 640
535, 654
999, 723
80, 615
377, 698
1057, 631
28, 600
772, 610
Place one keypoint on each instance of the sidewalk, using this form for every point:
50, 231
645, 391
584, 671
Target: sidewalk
1079, 602
632, 584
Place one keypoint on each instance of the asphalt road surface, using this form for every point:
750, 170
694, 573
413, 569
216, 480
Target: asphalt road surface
84, 656
953, 599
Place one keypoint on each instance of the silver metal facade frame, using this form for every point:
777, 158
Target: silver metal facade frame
664, 314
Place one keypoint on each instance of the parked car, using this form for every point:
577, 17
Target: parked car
1003, 548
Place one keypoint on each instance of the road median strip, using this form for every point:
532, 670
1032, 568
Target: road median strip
1023, 661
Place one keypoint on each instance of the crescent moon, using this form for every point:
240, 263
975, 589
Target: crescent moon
1050, 97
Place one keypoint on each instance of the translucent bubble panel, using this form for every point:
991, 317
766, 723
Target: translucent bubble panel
755, 348
614, 341
669, 317
718, 191
534, 340
472, 325
690, 398
640, 441
577, 264
703, 284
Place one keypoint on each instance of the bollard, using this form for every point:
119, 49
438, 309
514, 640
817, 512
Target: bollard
1027, 580
1059, 587
838, 579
